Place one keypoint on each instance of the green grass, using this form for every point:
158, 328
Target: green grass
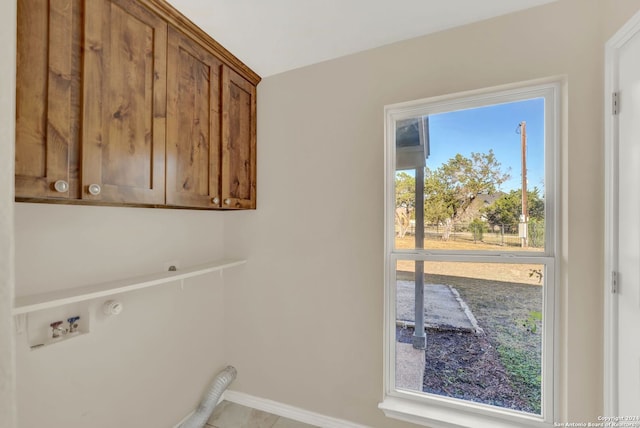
510, 314
524, 372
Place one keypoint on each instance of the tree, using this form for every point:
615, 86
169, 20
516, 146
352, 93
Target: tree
453, 186
508, 207
405, 202
477, 228
405, 190
439, 198
450, 188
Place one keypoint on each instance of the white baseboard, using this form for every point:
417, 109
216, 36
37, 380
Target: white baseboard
287, 411
193, 411
184, 419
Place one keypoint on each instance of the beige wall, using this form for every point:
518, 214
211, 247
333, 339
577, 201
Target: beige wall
303, 319
7, 121
617, 12
310, 302
147, 367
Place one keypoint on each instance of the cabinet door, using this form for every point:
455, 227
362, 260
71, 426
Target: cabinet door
124, 103
47, 88
238, 141
193, 124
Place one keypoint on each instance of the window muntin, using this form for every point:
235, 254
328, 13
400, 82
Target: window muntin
409, 125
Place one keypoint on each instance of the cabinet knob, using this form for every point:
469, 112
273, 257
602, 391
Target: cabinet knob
61, 186
216, 200
227, 201
94, 189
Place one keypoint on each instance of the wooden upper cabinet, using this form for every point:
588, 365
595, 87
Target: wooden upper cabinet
124, 103
127, 102
193, 124
47, 88
238, 141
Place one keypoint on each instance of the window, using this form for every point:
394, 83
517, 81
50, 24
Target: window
471, 244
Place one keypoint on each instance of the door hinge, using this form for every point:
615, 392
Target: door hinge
614, 282
615, 103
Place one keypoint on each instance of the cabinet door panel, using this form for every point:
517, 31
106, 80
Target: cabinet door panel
238, 141
193, 124
124, 103
47, 88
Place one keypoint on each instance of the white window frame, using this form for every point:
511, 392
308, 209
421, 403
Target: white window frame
439, 411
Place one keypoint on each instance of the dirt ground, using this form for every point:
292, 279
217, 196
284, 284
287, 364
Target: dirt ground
501, 367
466, 366
519, 273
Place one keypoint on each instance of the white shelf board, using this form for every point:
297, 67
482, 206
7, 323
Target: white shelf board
53, 299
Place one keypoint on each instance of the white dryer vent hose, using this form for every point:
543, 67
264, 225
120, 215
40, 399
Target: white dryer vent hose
210, 400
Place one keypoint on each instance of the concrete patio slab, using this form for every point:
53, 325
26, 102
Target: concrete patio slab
444, 308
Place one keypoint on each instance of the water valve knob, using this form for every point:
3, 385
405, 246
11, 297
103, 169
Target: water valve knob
73, 324
55, 324
57, 330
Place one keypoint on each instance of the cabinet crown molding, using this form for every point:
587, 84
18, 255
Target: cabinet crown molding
184, 24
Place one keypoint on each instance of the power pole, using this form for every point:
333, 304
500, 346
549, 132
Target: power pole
525, 213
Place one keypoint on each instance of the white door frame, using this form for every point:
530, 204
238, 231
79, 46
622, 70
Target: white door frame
611, 85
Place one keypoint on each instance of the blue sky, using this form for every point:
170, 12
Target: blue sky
493, 127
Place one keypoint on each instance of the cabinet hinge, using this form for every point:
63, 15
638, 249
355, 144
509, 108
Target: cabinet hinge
614, 282
615, 103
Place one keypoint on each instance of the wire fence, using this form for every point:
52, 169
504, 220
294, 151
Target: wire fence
477, 231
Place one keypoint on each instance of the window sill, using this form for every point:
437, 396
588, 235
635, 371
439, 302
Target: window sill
441, 416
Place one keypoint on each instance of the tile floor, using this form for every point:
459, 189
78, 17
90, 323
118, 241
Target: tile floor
231, 415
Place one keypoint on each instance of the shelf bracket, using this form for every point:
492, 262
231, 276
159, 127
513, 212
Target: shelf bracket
20, 321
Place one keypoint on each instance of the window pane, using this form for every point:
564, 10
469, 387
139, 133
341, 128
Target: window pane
459, 179
483, 330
